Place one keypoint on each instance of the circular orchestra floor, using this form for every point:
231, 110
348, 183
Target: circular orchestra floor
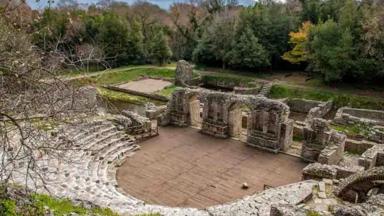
184, 168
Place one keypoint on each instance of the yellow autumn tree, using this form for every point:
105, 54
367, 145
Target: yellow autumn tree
299, 53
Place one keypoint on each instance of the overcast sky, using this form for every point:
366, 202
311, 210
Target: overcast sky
162, 3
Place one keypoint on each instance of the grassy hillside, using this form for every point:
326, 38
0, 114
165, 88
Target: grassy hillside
17, 202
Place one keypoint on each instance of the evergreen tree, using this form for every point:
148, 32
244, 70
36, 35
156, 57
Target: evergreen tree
331, 51
216, 42
135, 44
113, 37
247, 52
160, 51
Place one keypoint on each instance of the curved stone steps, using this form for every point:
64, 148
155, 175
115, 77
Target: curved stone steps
72, 131
99, 132
109, 156
110, 141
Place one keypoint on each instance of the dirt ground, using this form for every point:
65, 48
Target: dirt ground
146, 85
182, 167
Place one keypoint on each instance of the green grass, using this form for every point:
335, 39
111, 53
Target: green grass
62, 207
111, 95
167, 91
339, 99
45, 124
122, 76
312, 213
353, 130
228, 79
37, 204
8, 207
298, 138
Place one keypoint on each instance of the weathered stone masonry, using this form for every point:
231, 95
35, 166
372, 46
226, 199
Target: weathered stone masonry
268, 124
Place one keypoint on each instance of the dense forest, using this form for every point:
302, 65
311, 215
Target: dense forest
339, 40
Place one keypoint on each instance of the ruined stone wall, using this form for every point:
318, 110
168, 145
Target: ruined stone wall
356, 187
357, 146
322, 143
268, 124
136, 124
372, 157
346, 115
319, 111
302, 105
377, 134
184, 73
215, 115
247, 91
178, 110
320, 171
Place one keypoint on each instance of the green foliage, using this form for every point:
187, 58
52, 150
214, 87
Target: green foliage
51, 27
227, 80
8, 207
299, 40
270, 23
26, 204
121, 76
331, 50
339, 99
339, 46
346, 42
247, 52
216, 42
167, 91
62, 207
353, 130
160, 52
114, 96
298, 137
312, 213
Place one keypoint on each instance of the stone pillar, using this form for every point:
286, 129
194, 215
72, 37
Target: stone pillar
184, 74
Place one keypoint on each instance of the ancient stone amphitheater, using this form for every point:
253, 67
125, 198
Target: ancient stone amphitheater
92, 149
87, 173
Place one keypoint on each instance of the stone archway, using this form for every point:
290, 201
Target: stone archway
195, 111
238, 115
356, 187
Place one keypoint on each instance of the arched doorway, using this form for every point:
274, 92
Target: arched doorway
245, 115
238, 115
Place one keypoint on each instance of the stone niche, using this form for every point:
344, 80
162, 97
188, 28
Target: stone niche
215, 116
269, 127
183, 109
178, 109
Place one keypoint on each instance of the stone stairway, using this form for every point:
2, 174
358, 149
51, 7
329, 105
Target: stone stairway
87, 172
